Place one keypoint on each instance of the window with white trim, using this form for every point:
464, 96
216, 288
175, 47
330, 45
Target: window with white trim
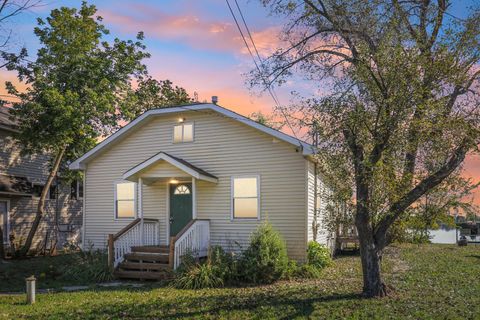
125, 199
183, 133
245, 195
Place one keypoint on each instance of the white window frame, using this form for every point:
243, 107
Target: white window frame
135, 199
7, 231
232, 213
182, 124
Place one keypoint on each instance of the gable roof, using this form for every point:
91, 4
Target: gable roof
306, 148
174, 161
5, 122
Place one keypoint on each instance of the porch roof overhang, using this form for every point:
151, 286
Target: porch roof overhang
135, 173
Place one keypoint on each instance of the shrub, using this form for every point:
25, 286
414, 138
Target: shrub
216, 271
226, 263
265, 260
318, 255
199, 276
292, 270
87, 266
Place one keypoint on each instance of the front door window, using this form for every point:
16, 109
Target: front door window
180, 206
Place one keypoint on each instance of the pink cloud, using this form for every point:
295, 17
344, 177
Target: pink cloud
188, 28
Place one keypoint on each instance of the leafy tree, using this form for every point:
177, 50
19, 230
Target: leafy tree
435, 208
151, 94
404, 109
79, 89
266, 120
9, 9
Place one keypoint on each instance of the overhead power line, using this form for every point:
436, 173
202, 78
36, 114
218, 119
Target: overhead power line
270, 89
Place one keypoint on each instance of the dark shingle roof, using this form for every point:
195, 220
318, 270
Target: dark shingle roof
5, 120
14, 185
191, 166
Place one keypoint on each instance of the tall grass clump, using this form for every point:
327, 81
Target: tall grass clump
218, 270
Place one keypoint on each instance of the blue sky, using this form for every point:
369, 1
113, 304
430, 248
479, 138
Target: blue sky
197, 46
193, 43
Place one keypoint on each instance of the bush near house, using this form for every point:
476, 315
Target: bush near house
318, 255
430, 282
88, 266
263, 262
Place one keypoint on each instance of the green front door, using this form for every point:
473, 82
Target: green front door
180, 206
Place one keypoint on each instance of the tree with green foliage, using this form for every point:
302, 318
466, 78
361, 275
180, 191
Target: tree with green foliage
435, 208
79, 89
402, 108
266, 120
151, 93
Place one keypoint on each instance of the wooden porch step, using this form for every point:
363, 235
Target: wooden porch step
142, 266
143, 275
151, 249
151, 257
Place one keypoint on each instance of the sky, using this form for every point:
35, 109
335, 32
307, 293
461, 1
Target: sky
196, 45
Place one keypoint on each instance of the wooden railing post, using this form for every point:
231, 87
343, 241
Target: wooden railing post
172, 252
111, 252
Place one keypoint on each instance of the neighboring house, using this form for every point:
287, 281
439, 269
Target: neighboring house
183, 178
22, 178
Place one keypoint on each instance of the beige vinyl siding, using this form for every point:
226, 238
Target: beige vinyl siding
323, 236
165, 169
223, 147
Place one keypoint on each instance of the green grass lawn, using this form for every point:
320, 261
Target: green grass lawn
429, 281
48, 270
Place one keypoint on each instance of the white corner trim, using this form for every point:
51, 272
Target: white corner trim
165, 157
79, 164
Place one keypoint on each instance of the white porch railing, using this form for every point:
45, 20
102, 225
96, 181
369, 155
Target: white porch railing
131, 236
194, 238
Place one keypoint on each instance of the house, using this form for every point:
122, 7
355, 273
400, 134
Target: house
22, 178
183, 178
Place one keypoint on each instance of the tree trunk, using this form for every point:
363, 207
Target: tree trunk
41, 203
371, 256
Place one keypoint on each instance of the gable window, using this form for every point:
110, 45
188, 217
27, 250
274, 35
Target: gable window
183, 133
125, 196
245, 195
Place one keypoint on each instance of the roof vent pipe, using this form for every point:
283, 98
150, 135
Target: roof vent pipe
214, 99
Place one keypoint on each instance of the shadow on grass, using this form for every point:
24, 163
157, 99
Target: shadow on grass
473, 256
288, 305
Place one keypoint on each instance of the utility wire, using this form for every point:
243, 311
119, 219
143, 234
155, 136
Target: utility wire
269, 88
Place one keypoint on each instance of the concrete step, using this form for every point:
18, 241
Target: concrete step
143, 266
129, 274
151, 249
149, 257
